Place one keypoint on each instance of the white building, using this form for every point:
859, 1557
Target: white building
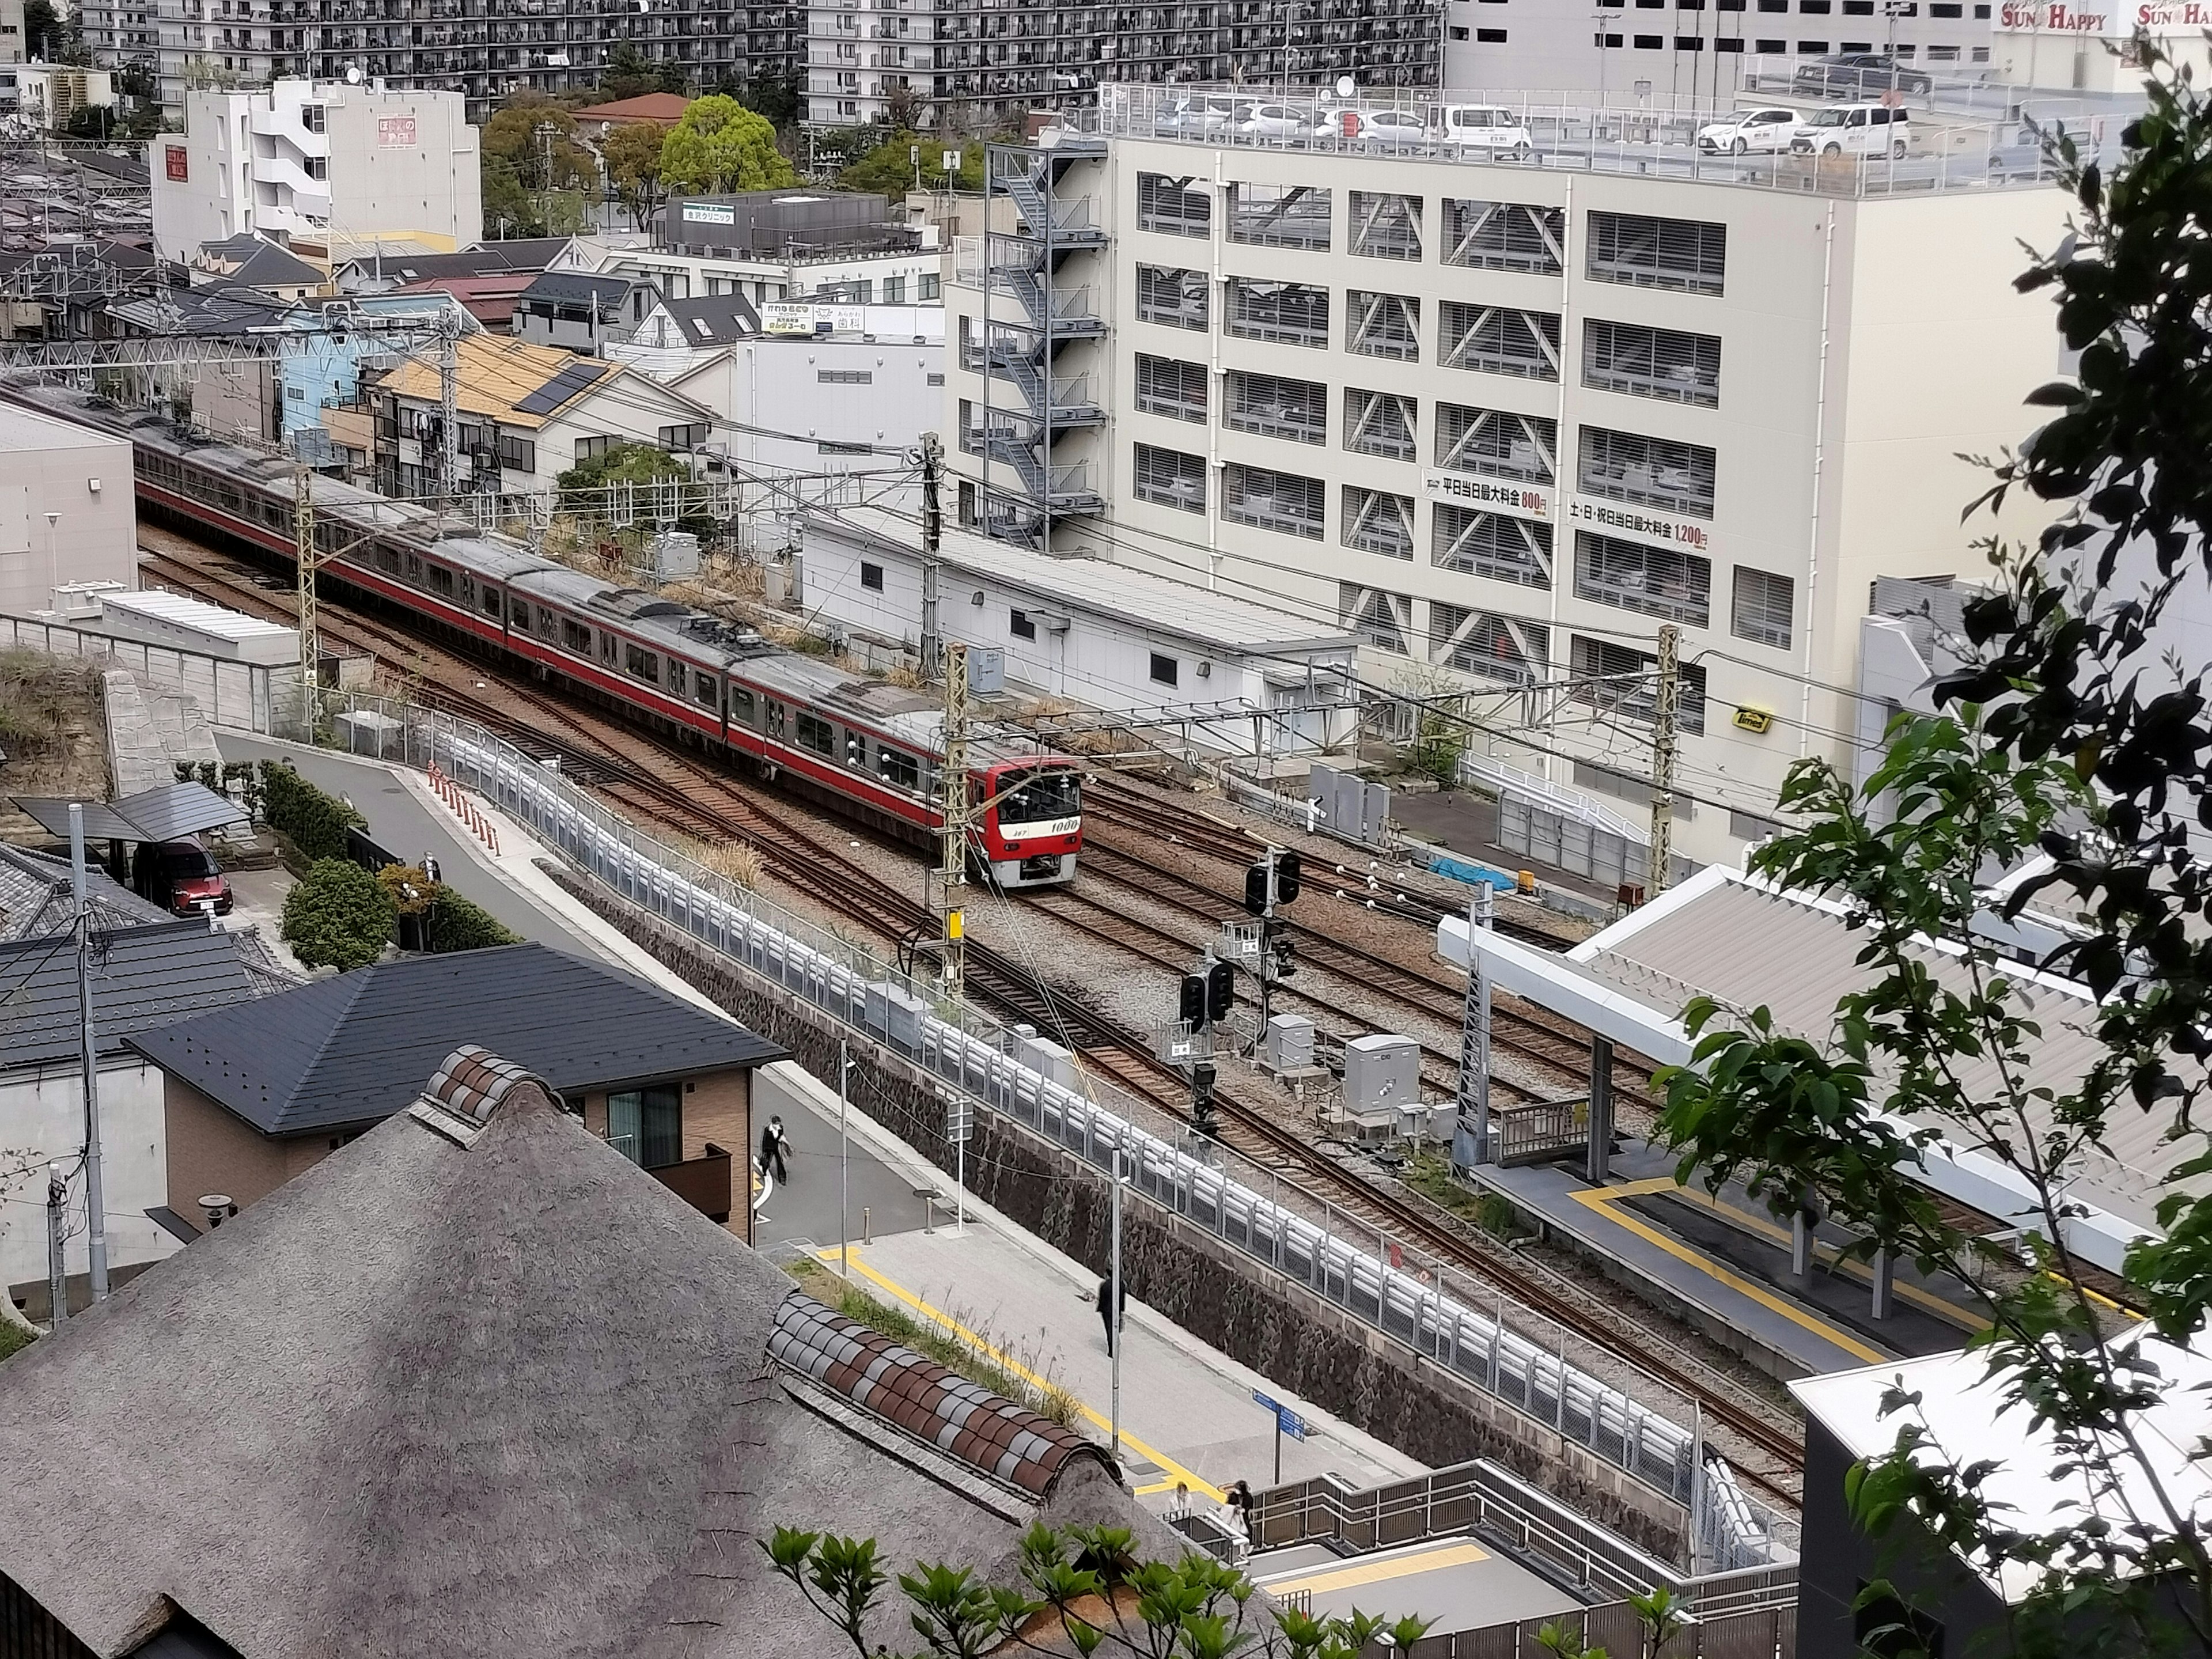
1235, 674
1505, 419
842, 277
67, 509
305, 161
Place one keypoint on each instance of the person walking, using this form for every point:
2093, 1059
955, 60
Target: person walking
1107, 1311
1240, 1500
1180, 1509
774, 1143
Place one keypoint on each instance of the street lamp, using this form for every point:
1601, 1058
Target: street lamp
53, 561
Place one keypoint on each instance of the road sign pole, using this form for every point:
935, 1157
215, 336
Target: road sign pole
1278, 1449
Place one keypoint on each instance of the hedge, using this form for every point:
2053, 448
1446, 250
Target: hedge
315, 822
460, 924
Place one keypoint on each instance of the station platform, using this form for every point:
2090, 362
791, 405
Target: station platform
1456, 1583
1725, 1260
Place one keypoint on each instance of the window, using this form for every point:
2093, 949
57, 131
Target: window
1812, 48
1168, 294
1169, 477
1179, 207
318, 166
894, 290
741, 705
1943, 54
314, 117
1019, 625
1763, 605
925, 287
1457, 32
1490, 37
1276, 407
691, 436
935, 380
1689, 43
1385, 226
1477, 544
1650, 42
491, 601
845, 376
1269, 500
1620, 678
1685, 255
706, 688
642, 664
1497, 647
816, 734
1280, 216
1381, 618
1498, 340
1503, 236
608, 647
871, 577
589, 449
1497, 444
517, 454
1981, 53
1658, 581
1168, 386
1652, 363
1166, 670
575, 637
1378, 521
1380, 423
1383, 325
900, 771
441, 580
646, 1126
829, 446
1774, 47
1627, 466
1728, 42
1289, 312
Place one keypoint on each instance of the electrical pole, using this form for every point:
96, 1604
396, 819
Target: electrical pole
1471, 1134
1114, 1299
449, 408
953, 794
1663, 760
94, 1188
57, 1245
303, 555
1265, 969
933, 533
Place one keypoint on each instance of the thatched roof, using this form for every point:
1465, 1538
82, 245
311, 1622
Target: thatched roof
473, 1384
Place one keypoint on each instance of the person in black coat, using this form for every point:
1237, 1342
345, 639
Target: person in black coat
1107, 1311
774, 1143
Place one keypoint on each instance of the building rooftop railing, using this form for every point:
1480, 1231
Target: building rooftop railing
1969, 137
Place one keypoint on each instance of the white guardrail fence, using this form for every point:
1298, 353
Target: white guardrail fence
1392, 1285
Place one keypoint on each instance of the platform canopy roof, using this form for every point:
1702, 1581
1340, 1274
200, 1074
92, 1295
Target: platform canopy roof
165, 813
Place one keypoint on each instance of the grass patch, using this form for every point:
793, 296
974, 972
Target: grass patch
933, 1341
1431, 1177
14, 1337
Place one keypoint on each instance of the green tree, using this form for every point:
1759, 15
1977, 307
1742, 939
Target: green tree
775, 95
629, 463
633, 157
888, 169
338, 916
630, 74
2063, 734
537, 175
42, 30
720, 145
1196, 1607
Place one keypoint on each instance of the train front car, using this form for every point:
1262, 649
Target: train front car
1032, 824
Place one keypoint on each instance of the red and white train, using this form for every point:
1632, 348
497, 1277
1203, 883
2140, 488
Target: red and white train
871, 748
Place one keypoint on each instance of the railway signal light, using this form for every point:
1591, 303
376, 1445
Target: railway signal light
1201, 1098
1191, 1006
1220, 991
1288, 870
1256, 888
1286, 961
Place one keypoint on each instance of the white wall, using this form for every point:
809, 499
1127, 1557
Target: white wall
778, 385
47, 466
42, 1119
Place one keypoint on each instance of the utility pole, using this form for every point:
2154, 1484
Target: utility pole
932, 534
449, 408
1663, 760
1471, 1134
94, 1188
844, 1161
303, 556
1114, 1299
1265, 966
57, 1244
953, 794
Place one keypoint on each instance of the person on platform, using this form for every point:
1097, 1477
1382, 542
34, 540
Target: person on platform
1107, 1311
773, 1145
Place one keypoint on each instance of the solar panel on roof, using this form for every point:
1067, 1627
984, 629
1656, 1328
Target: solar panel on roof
561, 387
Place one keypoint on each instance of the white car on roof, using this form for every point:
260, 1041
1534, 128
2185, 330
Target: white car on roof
1479, 128
1753, 131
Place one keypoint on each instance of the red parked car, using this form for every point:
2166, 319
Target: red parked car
181, 876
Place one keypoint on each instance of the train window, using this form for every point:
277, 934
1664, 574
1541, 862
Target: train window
816, 734
576, 637
903, 771
676, 677
607, 644
469, 589
702, 687
414, 568
441, 580
645, 665
856, 750
741, 704
774, 717
491, 602
387, 560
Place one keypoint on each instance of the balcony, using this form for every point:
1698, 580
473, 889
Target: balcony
702, 1182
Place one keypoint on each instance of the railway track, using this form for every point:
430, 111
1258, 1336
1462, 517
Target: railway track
670, 788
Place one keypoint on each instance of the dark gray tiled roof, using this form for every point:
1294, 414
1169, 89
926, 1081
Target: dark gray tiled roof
607, 292
142, 978
715, 319
354, 1049
36, 897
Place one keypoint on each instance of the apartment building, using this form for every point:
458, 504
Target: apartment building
973, 65
460, 45
308, 160
1504, 418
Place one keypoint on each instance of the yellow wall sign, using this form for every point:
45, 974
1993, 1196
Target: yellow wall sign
1754, 720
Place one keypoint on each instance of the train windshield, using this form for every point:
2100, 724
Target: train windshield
1039, 797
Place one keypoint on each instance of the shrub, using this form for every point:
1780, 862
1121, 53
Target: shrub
315, 822
338, 916
460, 924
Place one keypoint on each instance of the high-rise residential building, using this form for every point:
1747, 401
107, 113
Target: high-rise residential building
308, 162
460, 45
1506, 417
971, 65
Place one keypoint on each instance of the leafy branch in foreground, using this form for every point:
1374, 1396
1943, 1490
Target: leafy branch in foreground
1084, 1590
